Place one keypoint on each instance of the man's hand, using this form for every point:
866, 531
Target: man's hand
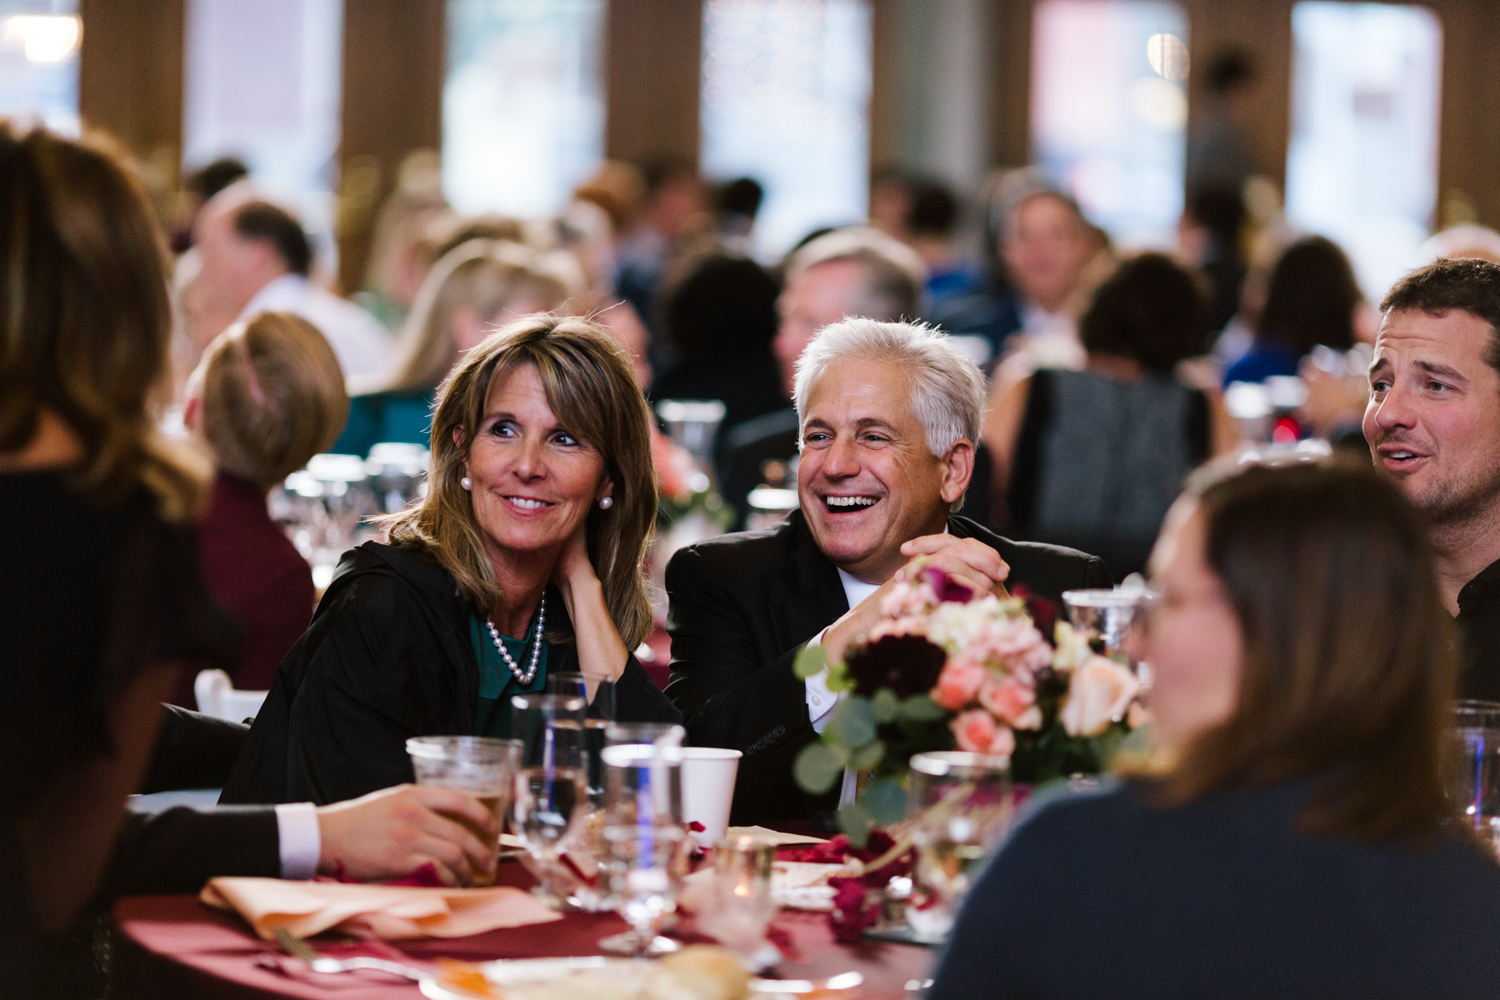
967, 560
391, 833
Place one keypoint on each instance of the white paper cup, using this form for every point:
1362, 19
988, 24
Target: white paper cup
708, 775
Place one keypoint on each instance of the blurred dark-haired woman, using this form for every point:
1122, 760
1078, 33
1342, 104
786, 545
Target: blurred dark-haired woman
1092, 459
1291, 838
1311, 299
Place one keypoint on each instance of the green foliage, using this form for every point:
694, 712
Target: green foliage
810, 660
921, 708
1051, 753
885, 705
885, 800
817, 767
856, 824
852, 722
867, 757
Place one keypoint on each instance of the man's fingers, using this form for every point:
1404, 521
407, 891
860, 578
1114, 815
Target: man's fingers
926, 545
458, 805
461, 848
971, 552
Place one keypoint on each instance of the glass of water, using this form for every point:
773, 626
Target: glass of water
643, 832
550, 805
1474, 778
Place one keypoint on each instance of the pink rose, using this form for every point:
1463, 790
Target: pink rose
1011, 700
1099, 693
958, 684
975, 730
1004, 743
1014, 642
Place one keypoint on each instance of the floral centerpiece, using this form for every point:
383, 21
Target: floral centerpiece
946, 669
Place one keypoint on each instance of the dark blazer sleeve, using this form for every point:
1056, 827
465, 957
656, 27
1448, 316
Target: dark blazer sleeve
192, 751
178, 850
731, 697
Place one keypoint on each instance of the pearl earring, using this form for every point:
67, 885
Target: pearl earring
606, 503
466, 483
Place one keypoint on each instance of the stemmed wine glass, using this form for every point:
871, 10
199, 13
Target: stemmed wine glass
643, 832
551, 793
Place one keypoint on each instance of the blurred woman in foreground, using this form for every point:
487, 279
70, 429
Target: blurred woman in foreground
1294, 840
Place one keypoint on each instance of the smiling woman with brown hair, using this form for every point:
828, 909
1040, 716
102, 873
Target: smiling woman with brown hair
524, 558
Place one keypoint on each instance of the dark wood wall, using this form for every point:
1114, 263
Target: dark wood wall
130, 82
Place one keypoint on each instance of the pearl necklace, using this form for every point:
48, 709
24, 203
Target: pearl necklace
524, 676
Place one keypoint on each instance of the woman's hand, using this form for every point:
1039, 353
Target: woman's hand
601, 652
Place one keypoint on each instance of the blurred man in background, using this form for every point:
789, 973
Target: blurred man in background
256, 257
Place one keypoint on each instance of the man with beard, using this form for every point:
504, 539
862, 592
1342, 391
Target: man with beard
1433, 422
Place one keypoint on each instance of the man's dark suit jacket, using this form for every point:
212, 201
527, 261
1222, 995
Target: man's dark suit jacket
180, 849
741, 607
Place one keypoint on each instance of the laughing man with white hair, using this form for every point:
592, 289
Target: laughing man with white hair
888, 414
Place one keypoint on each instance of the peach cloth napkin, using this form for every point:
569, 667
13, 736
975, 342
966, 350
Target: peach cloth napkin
391, 912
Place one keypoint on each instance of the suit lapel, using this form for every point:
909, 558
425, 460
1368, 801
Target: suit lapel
812, 596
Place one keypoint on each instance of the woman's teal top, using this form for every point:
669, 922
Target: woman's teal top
496, 683
379, 417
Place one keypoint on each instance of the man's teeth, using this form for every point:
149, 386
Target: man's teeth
1402, 456
850, 501
526, 504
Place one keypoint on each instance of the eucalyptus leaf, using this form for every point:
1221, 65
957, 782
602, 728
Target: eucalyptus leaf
853, 722
886, 706
867, 757
810, 661
885, 800
920, 708
816, 769
856, 824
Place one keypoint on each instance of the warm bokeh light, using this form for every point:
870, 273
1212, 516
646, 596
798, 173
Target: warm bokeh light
46, 38
1168, 56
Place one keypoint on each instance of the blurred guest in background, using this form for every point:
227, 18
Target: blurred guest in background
1467, 240
1210, 236
401, 246
1433, 423
1218, 153
523, 559
890, 202
1312, 298
267, 397
198, 186
848, 272
1092, 459
256, 258
932, 229
474, 288
1044, 251
739, 203
673, 206
720, 319
1293, 838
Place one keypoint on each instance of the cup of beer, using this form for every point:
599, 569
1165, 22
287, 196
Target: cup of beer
476, 765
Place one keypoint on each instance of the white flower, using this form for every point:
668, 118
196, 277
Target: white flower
1099, 693
1072, 647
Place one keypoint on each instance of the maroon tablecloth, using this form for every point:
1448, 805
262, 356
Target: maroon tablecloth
174, 946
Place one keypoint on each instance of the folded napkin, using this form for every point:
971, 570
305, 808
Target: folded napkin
772, 837
392, 912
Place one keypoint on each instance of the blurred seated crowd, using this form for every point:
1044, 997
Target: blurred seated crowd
986, 383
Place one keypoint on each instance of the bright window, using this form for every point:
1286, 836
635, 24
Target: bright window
39, 61
1109, 111
263, 82
785, 100
523, 103
1361, 165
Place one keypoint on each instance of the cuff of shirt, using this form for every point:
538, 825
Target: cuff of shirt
300, 841
820, 700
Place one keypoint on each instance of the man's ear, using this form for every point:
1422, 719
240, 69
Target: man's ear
958, 467
192, 413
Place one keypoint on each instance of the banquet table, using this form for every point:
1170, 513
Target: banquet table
175, 946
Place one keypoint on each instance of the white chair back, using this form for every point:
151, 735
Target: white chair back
217, 696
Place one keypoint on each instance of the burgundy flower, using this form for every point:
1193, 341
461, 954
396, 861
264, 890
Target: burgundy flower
947, 588
1042, 611
853, 913
907, 664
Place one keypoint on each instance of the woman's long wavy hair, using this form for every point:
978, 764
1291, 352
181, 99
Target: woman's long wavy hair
85, 319
1348, 669
591, 390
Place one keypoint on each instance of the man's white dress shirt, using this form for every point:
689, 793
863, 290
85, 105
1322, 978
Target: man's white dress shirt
361, 344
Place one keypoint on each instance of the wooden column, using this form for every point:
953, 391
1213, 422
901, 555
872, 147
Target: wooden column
394, 58
1010, 83
652, 59
130, 81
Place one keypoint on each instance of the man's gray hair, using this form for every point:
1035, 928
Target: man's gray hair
893, 273
946, 389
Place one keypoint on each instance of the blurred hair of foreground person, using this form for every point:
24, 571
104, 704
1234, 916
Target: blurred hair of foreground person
100, 596
267, 396
1293, 839
523, 559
